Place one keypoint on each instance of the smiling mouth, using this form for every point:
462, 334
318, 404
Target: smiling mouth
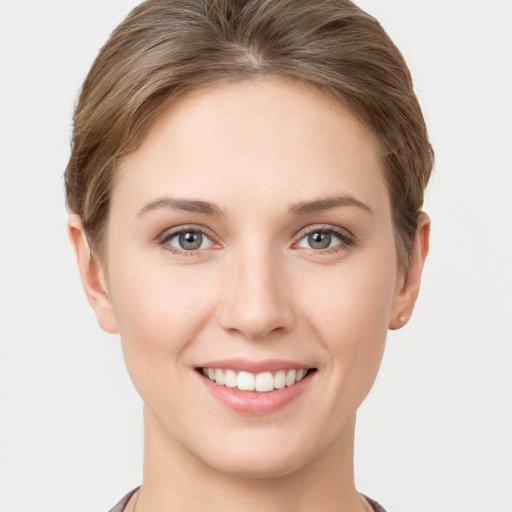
263, 382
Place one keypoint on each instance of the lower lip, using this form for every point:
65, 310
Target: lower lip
253, 402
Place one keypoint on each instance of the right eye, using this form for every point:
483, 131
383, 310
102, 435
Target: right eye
187, 240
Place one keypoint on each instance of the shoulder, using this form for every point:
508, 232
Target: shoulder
122, 504
124, 501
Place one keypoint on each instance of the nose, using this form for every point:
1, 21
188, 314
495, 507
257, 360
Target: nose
256, 298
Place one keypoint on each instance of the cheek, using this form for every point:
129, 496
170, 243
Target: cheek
150, 296
159, 312
350, 310
355, 298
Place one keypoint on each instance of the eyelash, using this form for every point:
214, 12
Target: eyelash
167, 236
347, 239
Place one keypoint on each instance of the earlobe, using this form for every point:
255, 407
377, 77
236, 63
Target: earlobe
92, 276
409, 285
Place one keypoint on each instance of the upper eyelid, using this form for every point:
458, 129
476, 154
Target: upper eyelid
343, 232
171, 232
346, 239
168, 234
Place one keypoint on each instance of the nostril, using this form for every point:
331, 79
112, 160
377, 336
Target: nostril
255, 309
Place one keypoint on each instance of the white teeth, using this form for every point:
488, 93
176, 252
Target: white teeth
219, 376
280, 379
245, 381
230, 379
264, 382
290, 377
261, 382
300, 375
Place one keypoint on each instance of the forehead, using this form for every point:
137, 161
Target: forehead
254, 140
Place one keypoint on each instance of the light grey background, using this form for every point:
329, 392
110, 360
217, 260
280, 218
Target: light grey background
434, 434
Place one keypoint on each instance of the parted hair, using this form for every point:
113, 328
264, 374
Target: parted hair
166, 48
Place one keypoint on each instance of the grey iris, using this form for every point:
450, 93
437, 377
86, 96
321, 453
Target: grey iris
190, 240
319, 240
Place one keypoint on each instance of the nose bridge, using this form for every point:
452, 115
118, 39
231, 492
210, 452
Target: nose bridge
256, 303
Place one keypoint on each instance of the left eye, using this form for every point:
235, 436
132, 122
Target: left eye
320, 240
189, 240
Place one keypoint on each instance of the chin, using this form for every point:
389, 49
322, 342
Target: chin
260, 466
260, 456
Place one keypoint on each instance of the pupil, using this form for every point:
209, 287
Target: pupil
319, 240
191, 240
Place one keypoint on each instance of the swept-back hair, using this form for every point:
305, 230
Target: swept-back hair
165, 48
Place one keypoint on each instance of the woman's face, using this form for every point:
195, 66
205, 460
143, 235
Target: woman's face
251, 235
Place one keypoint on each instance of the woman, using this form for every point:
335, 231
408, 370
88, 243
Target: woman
245, 189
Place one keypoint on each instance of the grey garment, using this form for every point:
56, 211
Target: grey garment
122, 504
376, 507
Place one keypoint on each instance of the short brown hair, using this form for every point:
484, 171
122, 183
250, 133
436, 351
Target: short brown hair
165, 48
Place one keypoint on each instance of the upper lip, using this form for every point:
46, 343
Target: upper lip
267, 365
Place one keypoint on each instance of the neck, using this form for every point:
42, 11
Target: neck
175, 479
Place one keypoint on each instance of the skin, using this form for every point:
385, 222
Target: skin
256, 150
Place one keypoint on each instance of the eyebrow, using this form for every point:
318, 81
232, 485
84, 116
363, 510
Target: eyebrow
329, 203
188, 205
300, 208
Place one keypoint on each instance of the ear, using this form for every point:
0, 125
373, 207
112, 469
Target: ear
408, 284
91, 274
